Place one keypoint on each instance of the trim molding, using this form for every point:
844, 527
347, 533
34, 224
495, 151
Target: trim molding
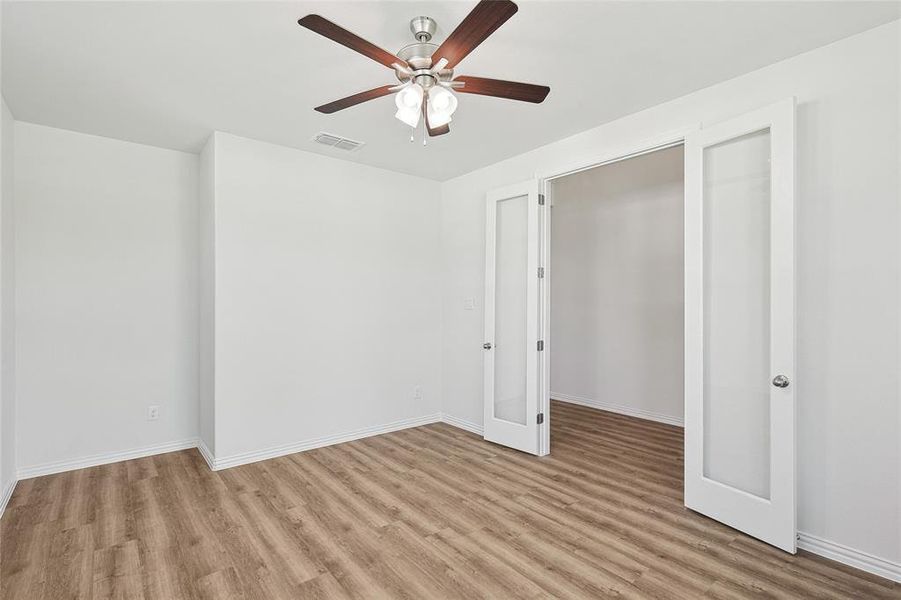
275, 451
850, 556
620, 409
206, 454
462, 424
7, 494
217, 464
103, 459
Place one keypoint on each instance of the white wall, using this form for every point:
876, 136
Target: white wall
106, 273
207, 297
328, 301
7, 307
847, 268
616, 286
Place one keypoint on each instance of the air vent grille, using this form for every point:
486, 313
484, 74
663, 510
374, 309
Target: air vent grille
336, 141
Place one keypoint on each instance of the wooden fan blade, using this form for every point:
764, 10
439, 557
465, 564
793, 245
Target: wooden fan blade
336, 33
512, 90
433, 131
439, 130
484, 19
354, 100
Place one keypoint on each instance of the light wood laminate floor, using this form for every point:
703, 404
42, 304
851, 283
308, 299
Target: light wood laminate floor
430, 512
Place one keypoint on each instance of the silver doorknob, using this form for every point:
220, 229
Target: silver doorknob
780, 381
487, 345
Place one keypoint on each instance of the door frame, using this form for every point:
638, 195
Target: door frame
666, 140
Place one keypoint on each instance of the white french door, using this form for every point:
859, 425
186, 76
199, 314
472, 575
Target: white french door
739, 324
511, 348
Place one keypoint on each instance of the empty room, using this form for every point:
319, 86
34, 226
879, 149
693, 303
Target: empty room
470, 299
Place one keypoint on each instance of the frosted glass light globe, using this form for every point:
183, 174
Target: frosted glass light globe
409, 98
442, 104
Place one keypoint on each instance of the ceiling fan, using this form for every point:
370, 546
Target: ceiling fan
426, 70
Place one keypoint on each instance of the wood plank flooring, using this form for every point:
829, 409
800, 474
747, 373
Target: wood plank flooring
430, 512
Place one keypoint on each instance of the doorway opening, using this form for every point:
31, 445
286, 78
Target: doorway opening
616, 290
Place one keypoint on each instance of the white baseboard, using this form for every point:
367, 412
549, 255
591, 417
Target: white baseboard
619, 409
276, 451
462, 424
850, 556
217, 464
207, 454
6, 495
103, 459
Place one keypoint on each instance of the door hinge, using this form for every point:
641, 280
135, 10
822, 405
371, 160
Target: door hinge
540, 199
540, 272
540, 418
540, 345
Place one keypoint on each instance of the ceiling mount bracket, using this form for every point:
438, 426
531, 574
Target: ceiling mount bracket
423, 28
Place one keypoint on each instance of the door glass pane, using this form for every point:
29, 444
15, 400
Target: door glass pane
511, 256
736, 241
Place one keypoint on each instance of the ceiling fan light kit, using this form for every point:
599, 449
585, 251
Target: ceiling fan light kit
426, 70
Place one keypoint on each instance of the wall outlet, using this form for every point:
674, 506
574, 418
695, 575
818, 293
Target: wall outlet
417, 393
153, 413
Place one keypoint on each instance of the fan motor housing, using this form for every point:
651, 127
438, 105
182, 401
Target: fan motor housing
419, 55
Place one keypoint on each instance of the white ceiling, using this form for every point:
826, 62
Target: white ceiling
168, 73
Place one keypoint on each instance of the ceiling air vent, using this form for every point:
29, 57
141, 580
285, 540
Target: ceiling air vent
336, 141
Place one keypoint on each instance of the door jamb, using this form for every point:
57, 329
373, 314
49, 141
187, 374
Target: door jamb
667, 140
